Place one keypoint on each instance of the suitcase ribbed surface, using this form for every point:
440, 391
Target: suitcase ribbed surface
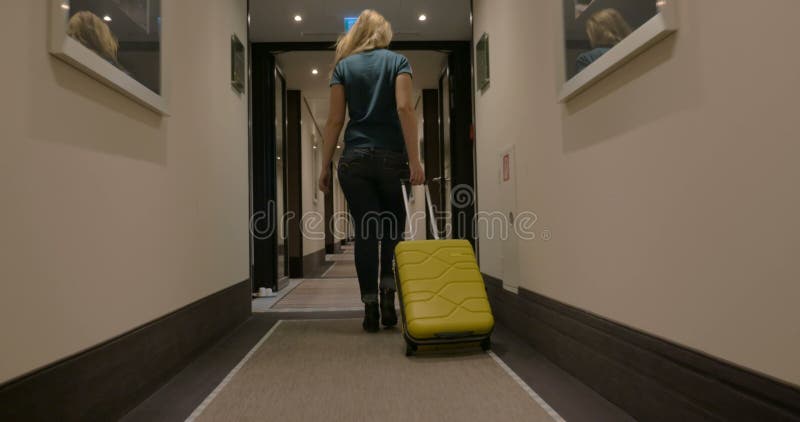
443, 293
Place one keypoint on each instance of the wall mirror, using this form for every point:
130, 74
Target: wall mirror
118, 42
601, 35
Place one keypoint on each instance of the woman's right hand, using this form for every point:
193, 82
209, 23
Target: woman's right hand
417, 173
325, 180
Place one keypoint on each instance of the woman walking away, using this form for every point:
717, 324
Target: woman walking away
381, 151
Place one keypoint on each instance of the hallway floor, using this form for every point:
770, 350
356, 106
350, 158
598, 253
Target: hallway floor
303, 356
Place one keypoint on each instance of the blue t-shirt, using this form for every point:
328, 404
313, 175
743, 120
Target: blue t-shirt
369, 84
589, 57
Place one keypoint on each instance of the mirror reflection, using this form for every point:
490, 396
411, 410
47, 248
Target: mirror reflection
593, 27
126, 33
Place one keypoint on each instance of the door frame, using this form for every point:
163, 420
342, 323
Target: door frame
445, 129
293, 157
263, 167
432, 150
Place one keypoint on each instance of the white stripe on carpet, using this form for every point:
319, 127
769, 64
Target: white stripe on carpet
537, 398
199, 410
302, 310
325, 274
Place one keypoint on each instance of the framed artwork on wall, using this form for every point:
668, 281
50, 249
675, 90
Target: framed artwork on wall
237, 64
600, 36
482, 62
117, 42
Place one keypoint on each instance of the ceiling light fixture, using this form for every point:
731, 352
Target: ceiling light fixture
65, 6
107, 18
298, 18
315, 71
423, 18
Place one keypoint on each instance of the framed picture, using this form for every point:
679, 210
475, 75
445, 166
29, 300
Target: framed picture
482, 62
602, 35
237, 64
118, 42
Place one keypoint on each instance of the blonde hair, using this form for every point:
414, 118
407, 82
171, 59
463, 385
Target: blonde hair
607, 27
92, 32
370, 31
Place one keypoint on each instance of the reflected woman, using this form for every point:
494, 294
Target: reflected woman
92, 32
606, 29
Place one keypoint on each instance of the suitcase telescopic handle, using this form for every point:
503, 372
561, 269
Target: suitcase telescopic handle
429, 203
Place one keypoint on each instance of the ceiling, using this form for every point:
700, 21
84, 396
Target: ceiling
297, 67
323, 20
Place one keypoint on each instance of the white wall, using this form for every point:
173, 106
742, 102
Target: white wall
669, 188
111, 215
315, 240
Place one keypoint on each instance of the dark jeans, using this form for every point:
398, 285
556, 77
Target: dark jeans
370, 179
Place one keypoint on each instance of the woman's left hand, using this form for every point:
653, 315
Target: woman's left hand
417, 173
325, 179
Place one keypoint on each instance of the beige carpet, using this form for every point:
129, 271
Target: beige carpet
332, 371
323, 293
342, 269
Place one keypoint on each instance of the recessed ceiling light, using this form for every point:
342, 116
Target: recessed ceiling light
298, 18
338, 147
65, 6
107, 18
279, 158
315, 71
423, 18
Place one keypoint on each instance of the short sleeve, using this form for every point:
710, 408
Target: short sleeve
337, 78
404, 67
583, 61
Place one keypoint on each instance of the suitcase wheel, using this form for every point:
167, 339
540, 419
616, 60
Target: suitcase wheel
410, 349
486, 344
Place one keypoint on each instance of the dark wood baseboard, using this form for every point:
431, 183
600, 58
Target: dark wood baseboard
650, 378
295, 267
106, 381
305, 266
313, 262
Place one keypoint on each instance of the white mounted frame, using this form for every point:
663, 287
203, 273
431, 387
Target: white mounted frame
76, 54
656, 29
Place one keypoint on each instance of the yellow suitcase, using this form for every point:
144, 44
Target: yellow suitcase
442, 293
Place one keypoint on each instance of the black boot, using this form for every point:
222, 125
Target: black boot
371, 317
388, 313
